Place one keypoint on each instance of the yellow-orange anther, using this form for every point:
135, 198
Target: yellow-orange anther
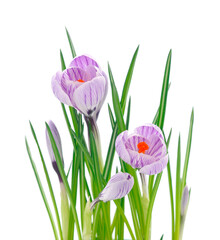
142, 147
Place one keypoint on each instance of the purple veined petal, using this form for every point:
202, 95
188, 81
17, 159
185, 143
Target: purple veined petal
83, 62
155, 167
118, 186
120, 147
133, 140
184, 200
58, 90
139, 160
148, 130
75, 74
57, 140
89, 97
157, 146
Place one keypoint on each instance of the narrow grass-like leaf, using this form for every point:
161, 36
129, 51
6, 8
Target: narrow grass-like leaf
66, 184
116, 103
188, 148
42, 191
178, 190
153, 196
165, 87
128, 114
84, 149
170, 188
128, 81
48, 182
98, 181
161, 237
71, 44
63, 65
111, 116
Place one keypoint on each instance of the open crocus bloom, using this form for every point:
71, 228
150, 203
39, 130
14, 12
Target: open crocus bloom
83, 85
145, 149
117, 187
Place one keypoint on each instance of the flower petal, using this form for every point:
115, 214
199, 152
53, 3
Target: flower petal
148, 130
83, 62
139, 160
120, 147
155, 167
58, 90
118, 186
89, 97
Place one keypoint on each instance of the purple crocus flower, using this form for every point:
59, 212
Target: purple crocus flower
83, 85
57, 139
117, 187
145, 149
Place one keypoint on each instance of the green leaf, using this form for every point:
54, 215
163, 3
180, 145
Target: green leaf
48, 182
165, 87
170, 188
71, 44
111, 116
63, 65
188, 148
161, 237
66, 184
128, 114
84, 149
116, 103
128, 81
178, 190
42, 191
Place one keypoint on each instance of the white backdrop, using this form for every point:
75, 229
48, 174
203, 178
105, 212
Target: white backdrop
32, 32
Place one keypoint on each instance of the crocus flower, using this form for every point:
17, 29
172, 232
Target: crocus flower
57, 139
145, 149
117, 187
83, 85
184, 201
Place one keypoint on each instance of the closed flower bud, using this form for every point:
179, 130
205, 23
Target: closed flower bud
184, 201
117, 187
57, 139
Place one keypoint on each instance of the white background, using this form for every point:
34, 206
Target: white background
32, 32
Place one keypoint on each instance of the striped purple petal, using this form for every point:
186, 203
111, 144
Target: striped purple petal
58, 89
118, 186
149, 130
89, 97
155, 167
144, 149
83, 86
83, 62
57, 139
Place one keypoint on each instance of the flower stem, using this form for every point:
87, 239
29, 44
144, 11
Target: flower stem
95, 131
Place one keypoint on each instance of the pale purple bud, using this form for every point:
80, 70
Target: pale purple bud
184, 201
117, 187
144, 149
57, 139
83, 85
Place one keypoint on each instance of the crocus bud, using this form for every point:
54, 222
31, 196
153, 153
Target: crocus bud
57, 139
83, 85
117, 187
184, 201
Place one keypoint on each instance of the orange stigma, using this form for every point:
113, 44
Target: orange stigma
80, 80
142, 147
